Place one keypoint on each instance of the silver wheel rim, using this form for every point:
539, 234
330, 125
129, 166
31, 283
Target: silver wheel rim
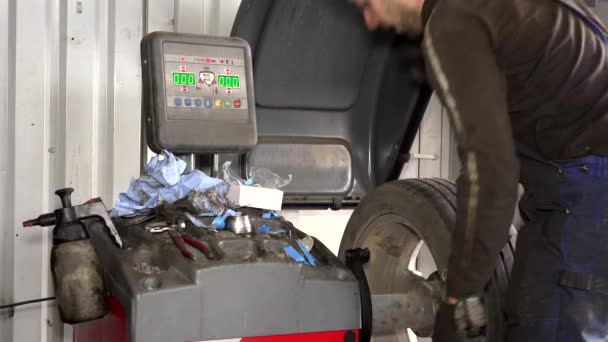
396, 249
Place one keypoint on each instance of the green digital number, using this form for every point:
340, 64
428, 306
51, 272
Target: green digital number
184, 79
225, 81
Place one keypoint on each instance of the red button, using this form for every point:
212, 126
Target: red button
182, 58
182, 68
237, 103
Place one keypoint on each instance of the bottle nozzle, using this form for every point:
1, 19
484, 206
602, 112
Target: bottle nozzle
31, 223
44, 220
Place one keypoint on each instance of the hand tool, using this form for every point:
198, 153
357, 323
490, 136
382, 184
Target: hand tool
180, 239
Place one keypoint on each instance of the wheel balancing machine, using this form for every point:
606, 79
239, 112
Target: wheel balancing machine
118, 281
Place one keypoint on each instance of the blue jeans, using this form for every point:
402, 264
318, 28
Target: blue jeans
559, 284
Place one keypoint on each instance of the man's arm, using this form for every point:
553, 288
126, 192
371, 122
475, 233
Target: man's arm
461, 63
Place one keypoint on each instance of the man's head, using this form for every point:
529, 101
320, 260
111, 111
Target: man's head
405, 16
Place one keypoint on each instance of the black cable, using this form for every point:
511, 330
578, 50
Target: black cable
8, 306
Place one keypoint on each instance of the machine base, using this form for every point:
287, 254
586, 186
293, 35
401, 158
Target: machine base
113, 328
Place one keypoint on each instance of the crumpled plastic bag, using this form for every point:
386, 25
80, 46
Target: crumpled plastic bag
231, 177
166, 171
261, 177
164, 182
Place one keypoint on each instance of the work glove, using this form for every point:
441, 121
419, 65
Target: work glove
470, 317
460, 321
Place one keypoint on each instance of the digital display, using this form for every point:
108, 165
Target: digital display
226, 81
184, 79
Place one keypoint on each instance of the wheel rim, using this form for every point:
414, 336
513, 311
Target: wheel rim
396, 250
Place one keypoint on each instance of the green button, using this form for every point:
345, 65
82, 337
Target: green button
228, 103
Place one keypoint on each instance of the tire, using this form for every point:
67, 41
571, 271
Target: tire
393, 219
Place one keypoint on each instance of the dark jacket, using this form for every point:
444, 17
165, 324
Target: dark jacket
530, 71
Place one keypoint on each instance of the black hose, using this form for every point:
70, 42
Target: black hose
8, 306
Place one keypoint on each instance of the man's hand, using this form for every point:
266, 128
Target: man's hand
470, 317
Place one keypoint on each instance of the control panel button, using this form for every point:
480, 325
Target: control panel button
237, 103
188, 102
228, 103
198, 102
208, 103
178, 101
218, 103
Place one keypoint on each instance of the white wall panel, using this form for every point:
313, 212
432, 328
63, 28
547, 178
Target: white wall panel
81, 84
31, 162
434, 149
7, 159
160, 16
194, 16
226, 12
128, 28
205, 16
430, 140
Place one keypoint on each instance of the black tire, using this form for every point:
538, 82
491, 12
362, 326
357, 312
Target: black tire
418, 209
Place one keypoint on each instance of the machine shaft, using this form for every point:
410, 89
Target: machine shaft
414, 309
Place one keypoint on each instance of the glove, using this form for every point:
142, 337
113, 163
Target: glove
470, 317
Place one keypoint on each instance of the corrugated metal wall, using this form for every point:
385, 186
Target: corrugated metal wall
69, 117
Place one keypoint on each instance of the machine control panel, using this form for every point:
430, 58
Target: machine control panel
198, 93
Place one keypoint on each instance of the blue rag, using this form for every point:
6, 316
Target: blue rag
164, 182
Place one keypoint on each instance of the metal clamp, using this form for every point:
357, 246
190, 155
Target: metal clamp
355, 259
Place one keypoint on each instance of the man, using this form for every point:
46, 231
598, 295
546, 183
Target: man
526, 85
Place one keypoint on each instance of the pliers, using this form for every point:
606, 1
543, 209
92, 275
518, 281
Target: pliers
180, 241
